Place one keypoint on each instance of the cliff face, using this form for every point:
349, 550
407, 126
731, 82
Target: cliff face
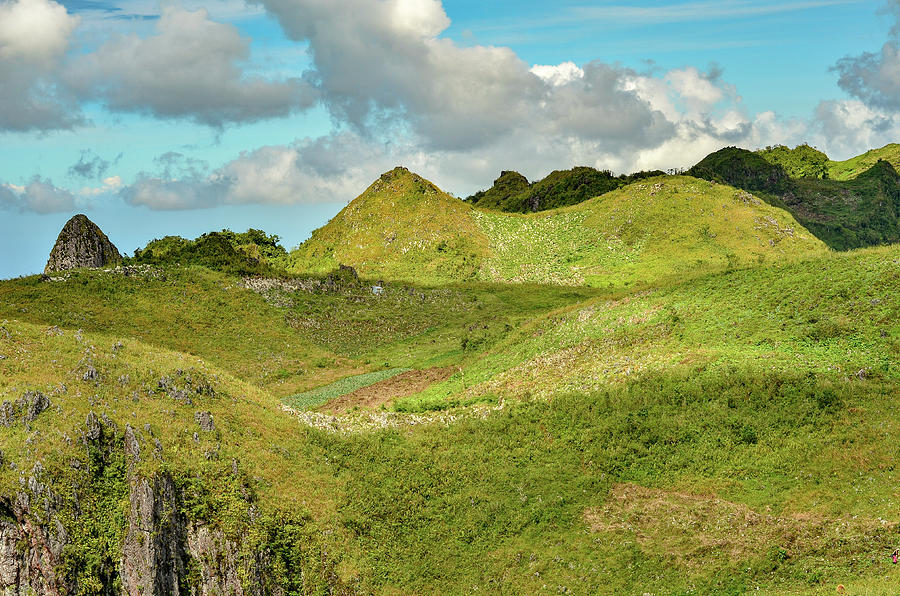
163, 551
81, 244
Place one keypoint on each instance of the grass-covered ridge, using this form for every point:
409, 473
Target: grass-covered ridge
405, 228
752, 408
402, 227
853, 167
513, 193
843, 213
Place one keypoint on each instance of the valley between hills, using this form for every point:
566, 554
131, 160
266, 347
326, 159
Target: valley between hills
657, 383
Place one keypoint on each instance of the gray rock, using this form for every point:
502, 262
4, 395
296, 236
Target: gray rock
90, 374
7, 414
93, 426
205, 420
81, 244
132, 446
34, 403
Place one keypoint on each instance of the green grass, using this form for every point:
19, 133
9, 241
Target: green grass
771, 315
853, 167
728, 429
667, 227
843, 211
322, 395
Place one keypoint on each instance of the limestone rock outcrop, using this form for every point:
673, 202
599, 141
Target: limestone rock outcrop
81, 244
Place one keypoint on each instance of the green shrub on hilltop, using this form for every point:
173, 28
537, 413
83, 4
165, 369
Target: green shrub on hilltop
508, 188
802, 161
512, 192
249, 253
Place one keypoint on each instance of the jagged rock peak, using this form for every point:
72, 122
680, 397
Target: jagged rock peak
81, 244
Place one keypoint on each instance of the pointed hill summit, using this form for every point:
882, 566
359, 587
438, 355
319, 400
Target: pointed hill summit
81, 244
405, 228
401, 227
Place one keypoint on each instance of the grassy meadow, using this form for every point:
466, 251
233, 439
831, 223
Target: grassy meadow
646, 408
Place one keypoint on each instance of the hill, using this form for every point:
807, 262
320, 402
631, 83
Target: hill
853, 167
513, 193
731, 434
247, 253
402, 227
845, 214
802, 161
405, 228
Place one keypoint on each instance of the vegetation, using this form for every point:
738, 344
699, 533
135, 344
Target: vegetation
326, 393
697, 398
843, 213
250, 253
853, 167
512, 192
663, 227
802, 161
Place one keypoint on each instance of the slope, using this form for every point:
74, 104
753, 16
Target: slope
853, 167
401, 227
845, 214
512, 193
732, 434
664, 227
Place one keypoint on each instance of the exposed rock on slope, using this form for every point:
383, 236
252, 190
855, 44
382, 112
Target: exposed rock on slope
81, 244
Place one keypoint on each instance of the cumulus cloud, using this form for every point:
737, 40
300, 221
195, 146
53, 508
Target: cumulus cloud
191, 68
559, 74
110, 185
874, 78
38, 196
34, 34
326, 169
385, 61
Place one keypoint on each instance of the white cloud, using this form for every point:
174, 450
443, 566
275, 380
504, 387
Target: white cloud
34, 34
110, 185
35, 31
191, 68
38, 196
557, 75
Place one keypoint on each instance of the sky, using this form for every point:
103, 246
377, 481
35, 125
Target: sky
179, 118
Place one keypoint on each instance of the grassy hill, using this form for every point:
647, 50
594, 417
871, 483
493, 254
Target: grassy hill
513, 193
844, 213
802, 161
248, 253
731, 434
853, 167
665, 227
401, 227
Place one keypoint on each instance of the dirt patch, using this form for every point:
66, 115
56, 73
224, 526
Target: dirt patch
384, 392
702, 530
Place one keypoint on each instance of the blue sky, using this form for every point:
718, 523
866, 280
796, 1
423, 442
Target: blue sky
181, 118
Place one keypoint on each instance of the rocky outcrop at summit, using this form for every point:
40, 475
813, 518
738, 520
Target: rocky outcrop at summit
81, 244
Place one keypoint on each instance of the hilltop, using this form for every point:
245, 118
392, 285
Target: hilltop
401, 227
845, 214
513, 193
853, 167
405, 228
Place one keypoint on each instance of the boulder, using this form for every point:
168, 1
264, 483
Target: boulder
81, 244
